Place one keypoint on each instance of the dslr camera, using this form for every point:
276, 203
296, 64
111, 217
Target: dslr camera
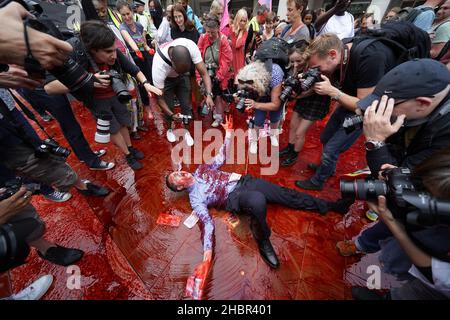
242, 95
12, 186
407, 202
50, 146
292, 84
185, 119
118, 85
211, 68
353, 123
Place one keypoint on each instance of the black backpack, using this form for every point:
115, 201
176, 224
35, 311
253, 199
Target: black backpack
406, 40
410, 14
274, 50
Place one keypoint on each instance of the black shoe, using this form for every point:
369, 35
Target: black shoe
135, 135
62, 256
341, 206
94, 190
307, 185
102, 165
268, 253
290, 160
133, 163
143, 128
100, 153
313, 166
136, 153
285, 152
360, 293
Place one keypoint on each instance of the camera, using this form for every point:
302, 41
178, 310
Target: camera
289, 84
404, 197
211, 67
118, 86
242, 95
50, 146
310, 78
353, 123
12, 186
204, 109
185, 119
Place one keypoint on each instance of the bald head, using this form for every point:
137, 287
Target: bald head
181, 59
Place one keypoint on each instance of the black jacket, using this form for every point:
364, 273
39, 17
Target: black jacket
412, 145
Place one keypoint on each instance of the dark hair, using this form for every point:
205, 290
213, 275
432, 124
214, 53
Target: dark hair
311, 12
187, 23
298, 46
157, 19
123, 3
96, 35
435, 173
271, 16
211, 21
171, 185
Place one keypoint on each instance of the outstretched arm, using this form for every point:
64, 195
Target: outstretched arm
220, 158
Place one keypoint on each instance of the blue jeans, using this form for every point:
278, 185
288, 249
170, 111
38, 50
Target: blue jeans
260, 116
368, 240
335, 141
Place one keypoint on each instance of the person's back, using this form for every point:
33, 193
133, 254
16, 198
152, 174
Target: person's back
342, 26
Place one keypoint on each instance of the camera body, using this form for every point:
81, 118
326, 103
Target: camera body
211, 68
310, 78
12, 186
290, 84
185, 119
50, 146
242, 95
353, 123
118, 85
404, 198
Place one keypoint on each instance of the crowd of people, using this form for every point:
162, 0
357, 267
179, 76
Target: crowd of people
389, 79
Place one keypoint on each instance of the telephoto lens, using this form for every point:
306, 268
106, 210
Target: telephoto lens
361, 189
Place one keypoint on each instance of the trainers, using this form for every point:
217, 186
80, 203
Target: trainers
171, 136
307, 185
135, 135
36, 290
274, 137
216, 123
136, 153
188, 139
286, 151
253, 149
62, 256
100, 153
94, 190
347, 248
289, 160
102, 165
252, 141
57, 196
133, 162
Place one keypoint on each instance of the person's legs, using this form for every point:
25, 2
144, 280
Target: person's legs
368, 240
218, 111
119, 140
300, 133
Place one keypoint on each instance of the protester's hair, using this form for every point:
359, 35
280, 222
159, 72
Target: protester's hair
171, 185
367, 16
299, 46
239, 15
395, 10
96, 35
187, 22
257, 72
123, 3
311, 12
299, 4
260, 9
215, 5
435, 174
323, 44
211, 21
271, 16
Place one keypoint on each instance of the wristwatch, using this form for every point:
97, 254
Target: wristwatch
145, 82
337, 97
372, 145
210, 94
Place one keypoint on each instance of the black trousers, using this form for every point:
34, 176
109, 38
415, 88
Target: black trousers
252, 195
59, 107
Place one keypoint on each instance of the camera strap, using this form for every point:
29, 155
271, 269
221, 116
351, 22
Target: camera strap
31, 65
164, 57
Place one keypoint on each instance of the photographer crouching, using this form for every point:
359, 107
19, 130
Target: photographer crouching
96, 52
403, 132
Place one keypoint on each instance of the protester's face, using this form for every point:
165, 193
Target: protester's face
243, 23
261, 18
269, 26
219, 13
151, 5
444, 11
105, 56
184, 3
297, 61
391, 15
126, 14
140, 8
179, 18
308, 19
413, 109
102, 10
213, 33
327, 64
343, 6
169, 14
181, 179
292, 12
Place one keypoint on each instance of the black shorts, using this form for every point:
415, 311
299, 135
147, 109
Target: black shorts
313, 108
119, 113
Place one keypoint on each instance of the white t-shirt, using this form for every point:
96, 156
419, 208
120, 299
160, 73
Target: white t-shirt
161, 70
342, 26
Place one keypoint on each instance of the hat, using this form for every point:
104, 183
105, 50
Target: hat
412, 79
137, 3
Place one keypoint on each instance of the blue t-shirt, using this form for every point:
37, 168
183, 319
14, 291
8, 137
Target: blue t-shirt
424, 20
277, 75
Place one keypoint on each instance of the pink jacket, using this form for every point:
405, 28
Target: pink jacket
224, 73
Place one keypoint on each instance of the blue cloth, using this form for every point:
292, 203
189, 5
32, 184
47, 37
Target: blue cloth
425, 20
195, 20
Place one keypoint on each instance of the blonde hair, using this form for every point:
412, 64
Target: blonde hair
239, 15
257, 72
215, 5
323, 44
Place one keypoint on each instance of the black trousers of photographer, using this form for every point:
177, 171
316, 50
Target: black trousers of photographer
252, 195
59, 107
179, 87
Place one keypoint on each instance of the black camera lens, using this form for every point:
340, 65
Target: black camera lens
361, 189
310, 78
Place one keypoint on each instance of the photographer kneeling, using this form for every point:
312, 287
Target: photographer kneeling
403, 132
95, 50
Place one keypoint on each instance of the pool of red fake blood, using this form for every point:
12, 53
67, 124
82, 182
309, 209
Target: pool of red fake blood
129, 256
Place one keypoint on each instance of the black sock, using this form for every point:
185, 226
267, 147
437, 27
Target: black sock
291, 146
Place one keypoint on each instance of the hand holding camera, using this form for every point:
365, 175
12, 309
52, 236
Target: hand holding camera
103, 80
16, 77
13, 204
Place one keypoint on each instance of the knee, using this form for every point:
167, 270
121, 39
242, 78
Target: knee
255, 202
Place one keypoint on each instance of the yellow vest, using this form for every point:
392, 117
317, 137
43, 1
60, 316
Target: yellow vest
115, 17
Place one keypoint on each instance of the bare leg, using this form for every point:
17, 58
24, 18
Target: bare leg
119, 141
295, 121
219, 107
300, 133
126, 137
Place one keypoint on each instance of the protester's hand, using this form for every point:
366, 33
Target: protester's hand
325, 88
210, 102
49, 51
104, 80
377, 121
9, 207
151, 89
250, 104
16, 77
385, 167
228, 125
382, 210
139, 54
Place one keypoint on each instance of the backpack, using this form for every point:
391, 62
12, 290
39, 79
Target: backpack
410, 14
406, 40
274, 50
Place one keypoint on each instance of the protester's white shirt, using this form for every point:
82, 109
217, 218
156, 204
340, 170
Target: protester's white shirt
164, 32
441, 276
161, 70
342, 26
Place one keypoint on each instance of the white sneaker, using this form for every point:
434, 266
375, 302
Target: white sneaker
274, 137
171, 136
252, 141
57, 196
216, 123
36, 290
188, 139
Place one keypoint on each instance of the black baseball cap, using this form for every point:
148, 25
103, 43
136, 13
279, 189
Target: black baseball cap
412, 79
